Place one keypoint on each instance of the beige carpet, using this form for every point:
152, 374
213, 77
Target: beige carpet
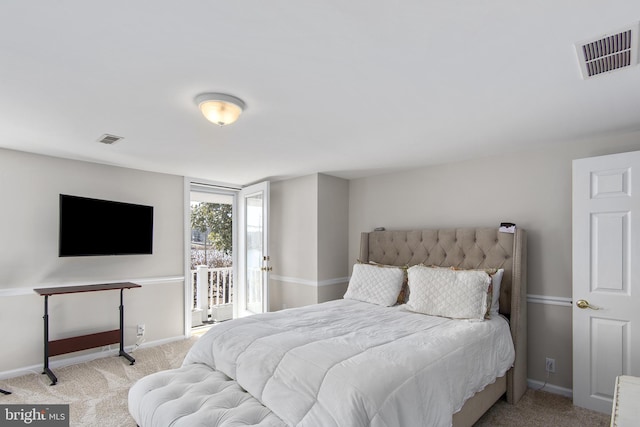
542, 409
97, 393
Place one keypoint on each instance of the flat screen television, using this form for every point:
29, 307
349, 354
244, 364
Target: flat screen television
93, 227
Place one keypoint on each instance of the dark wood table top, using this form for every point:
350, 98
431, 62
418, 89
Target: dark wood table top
85, 288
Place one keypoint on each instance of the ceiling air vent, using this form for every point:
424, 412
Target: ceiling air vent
609, 52
109, 139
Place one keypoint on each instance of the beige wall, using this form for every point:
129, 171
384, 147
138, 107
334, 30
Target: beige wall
333, 226
29, 188
531, 189
293, 227
293, 242
308, 240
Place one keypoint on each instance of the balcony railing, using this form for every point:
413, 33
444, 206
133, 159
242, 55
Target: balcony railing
212, 294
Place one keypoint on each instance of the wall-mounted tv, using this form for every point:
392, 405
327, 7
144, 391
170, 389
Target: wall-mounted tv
93, 227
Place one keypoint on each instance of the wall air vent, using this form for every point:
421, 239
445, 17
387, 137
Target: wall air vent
610, 52
109, 139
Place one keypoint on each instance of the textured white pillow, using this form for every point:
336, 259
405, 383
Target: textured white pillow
458, 294
495, 300
375, 284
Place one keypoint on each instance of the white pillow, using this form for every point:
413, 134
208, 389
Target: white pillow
458, 294
496, 279
375, 284
495, 299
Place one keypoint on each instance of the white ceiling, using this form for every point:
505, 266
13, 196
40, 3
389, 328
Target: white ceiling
349, 88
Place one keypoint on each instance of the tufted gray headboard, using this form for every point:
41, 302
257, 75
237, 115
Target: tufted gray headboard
467, 248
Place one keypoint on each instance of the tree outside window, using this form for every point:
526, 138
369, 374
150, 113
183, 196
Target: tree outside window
212, 245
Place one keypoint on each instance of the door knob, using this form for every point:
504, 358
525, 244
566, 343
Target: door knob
585, 304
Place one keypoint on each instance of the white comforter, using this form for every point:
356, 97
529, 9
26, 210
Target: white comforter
348, 363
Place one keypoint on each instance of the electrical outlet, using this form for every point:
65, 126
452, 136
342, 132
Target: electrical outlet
141, 330
550, 365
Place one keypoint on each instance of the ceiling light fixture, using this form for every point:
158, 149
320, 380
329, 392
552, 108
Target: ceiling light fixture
219, 108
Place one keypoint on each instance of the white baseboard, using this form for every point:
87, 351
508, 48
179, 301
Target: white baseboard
53, 364
537, 385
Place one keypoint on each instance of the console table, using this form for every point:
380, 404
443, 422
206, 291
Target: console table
83, 342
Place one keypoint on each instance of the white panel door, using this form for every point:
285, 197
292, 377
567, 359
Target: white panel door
606, 271
253, 260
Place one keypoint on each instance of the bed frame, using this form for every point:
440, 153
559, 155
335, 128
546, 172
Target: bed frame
469, 248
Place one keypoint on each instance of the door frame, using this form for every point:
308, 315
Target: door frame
218, 187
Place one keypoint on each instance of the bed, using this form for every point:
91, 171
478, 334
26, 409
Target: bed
352, 362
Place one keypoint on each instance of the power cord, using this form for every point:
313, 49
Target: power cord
139, 342
545, 382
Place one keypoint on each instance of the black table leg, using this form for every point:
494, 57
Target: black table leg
46, 369
122, 352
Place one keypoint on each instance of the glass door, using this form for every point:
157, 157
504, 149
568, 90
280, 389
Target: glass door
253, 268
